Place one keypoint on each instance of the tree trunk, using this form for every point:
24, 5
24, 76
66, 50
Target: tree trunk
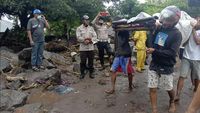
23, 20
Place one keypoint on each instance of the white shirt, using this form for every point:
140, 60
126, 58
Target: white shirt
82, 33
192, 50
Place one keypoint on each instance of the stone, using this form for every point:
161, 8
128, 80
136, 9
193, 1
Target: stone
56, 59
5, 65
25, 54
53, 75
11, 99
76, 67
29, 108
102, 82
17, 70
48, 64
6, 112
55, 47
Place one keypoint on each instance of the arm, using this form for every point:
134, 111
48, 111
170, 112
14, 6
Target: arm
196, 37
46, 22
94, 36
78, 35
29, 32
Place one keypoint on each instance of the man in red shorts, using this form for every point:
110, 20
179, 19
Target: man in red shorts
122, 60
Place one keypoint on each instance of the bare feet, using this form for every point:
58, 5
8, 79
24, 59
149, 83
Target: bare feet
154, 110
110, 91
172, 108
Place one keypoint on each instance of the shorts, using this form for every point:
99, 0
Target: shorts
163, 81
122, 64
190, 67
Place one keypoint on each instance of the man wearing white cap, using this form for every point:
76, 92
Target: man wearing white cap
87, 37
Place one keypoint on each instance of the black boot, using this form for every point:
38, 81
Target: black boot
82, 76
91, 75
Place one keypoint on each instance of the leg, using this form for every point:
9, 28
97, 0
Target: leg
143, 60
196, 84
130, 79
34, 55
83, 63
153, 80
196, 74
101, 53
195, 104
172, 107
166, 82
184, 70
139, 60
179, 88
113, 81
40, 53
90, 56
153, 98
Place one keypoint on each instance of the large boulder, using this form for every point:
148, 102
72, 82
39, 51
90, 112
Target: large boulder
9, 55
56, 59
11, 99
25, 54
29, 108
53, 75
5, 65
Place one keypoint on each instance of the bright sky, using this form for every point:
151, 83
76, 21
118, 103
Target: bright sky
110, 3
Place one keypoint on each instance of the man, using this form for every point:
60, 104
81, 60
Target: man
35, 30
166, 42
195, 104
87, 37
103, 39
191, 60
140, 38
122, 60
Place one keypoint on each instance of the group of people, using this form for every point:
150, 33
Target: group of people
164, 46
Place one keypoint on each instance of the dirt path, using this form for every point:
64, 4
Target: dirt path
89, 97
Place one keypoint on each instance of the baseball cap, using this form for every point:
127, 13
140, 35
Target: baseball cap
85, 17
37, 11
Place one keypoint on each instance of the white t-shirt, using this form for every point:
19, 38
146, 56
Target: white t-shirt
192, 50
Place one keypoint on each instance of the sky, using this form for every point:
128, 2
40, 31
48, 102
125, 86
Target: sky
110, 3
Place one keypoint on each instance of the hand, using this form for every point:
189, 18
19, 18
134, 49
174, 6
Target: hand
31, 43
87, 41
150, 50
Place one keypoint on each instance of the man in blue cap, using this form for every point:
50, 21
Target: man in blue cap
35, 30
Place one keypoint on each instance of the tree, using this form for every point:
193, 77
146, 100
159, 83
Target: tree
125, 8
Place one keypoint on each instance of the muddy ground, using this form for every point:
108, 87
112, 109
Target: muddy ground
89, 97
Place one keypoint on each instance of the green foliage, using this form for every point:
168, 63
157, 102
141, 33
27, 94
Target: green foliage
125, 9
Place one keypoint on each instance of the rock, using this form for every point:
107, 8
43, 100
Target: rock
25, 58
8, 54
25, 55
52, 75
11, 98
6, 112
56, 58
5, 65
48, 64
55, 47
102, 82
17, 70
2, 83
15, 85
76, 67
29, 108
